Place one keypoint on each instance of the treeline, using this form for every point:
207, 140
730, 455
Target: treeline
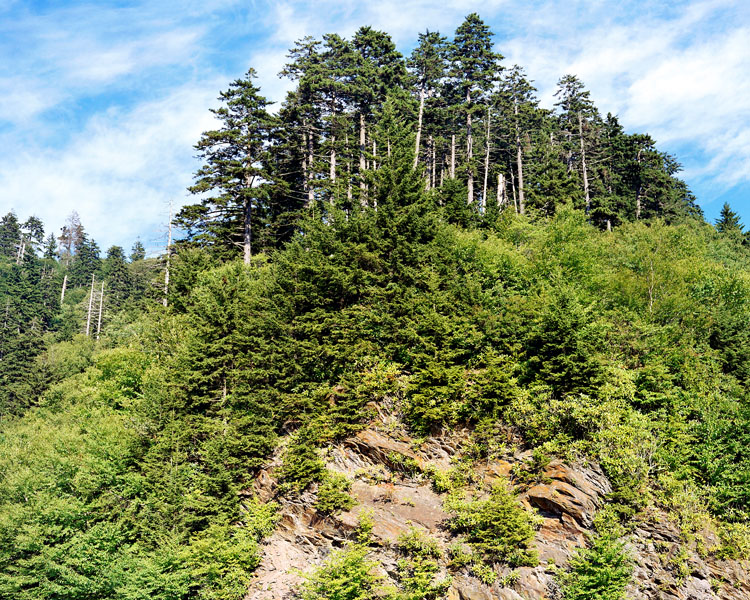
481, 142
52, 288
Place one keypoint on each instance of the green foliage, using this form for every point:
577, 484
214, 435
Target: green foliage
417, 572
301, 465
416, 542
333, 494
601, 571
345, 575
498, 527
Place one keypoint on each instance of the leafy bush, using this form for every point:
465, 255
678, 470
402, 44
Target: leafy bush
333, 494
300, 466
417, 572
601, 571
346, 574
498, 527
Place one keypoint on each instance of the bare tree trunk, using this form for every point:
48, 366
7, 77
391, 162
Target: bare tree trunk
519, 162
21, 250
583, 164
169, 257
453, 156
101, 310
434, 166
91, 302
311, 169
638, 189
247, 239
349, 194
305, 168
332, 168
362, 161
419, 127
486, 164
500, 189
469, 153
513, 185
64, 287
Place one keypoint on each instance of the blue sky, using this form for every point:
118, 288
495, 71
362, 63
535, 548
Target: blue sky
101, 102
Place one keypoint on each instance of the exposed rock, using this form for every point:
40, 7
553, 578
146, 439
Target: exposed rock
386, 483
575, 492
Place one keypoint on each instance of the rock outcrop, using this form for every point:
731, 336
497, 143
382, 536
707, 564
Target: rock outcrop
388, 483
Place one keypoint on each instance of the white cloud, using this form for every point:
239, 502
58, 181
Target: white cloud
119, 171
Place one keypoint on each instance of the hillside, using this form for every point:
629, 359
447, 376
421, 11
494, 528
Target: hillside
384, 385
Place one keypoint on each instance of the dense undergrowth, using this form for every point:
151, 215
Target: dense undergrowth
628, 347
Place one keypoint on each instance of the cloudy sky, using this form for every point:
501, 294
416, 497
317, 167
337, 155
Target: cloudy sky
102, 101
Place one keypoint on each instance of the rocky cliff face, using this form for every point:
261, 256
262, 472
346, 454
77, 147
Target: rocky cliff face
388, 482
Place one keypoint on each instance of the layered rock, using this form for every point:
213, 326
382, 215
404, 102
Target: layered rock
387, 484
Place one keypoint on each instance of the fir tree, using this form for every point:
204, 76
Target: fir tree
10, 235
728, 221
235, 172
137, 252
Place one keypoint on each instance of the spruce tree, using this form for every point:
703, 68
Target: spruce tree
10, 235
119, 280
728, 221
474, 69
577, 117
234, 173
137, 252
427, 64
85, 262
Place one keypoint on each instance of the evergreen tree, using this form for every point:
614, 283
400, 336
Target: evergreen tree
235, 172
137, 252
474, 70
119, 280
427, 64
50, 247
521, 107
728, 221
85, 262
10, 235
578, 117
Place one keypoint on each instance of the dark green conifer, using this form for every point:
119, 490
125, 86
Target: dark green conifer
235, 173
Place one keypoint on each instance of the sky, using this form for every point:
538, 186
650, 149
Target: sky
101, 102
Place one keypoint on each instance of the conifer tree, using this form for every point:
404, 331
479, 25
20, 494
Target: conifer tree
137, 252
85, 261
474, 69
119, 280
234, 173
577, 114
379, 70
728, 221
520, 105
427, 64
50, 247
10, 235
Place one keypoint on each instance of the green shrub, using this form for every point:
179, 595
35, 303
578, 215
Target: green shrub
735, 541
417, 542
300, 466
346, 574
418, 570
333, 494
498, 527
601, 571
